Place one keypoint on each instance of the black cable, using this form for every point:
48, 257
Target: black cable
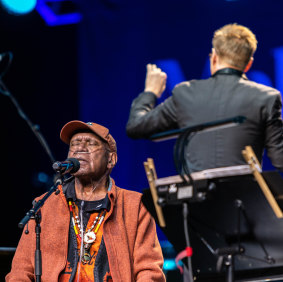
180, 161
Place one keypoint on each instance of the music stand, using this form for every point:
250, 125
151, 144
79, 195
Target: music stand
261, 232
183, 170
205, 267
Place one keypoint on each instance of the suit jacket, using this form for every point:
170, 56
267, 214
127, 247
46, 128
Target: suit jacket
133, 250
219, 97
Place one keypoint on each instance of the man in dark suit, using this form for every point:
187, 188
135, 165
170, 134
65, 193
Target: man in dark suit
227, 93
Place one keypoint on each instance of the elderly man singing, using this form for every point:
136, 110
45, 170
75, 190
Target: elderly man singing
92, 230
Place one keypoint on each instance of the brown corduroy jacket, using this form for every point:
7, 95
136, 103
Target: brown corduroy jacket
129, 232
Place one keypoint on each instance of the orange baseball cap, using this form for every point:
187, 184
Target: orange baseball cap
72, 127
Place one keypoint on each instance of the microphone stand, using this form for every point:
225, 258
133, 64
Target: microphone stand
34, 213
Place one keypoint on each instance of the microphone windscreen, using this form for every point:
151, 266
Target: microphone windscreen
76, 164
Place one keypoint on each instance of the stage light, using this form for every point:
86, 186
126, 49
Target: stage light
169, 264
18, 7
58, 12
42, 177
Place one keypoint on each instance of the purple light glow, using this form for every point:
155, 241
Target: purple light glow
53, 19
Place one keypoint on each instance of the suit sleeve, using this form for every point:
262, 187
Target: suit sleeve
148, 258
145, 119
274, 132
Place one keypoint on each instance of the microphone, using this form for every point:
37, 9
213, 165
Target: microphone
70, 165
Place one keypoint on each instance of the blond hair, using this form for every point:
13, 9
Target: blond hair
235, 45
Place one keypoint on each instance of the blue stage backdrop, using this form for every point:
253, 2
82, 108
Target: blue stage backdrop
93, 70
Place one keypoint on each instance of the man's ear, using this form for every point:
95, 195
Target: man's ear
214, 56
249, 65
112, 160
213, 61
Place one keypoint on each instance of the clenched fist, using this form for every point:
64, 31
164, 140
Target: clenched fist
155, 80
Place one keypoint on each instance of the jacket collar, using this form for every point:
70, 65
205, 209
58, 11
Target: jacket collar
229, 71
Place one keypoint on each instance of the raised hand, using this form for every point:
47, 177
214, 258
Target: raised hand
155, 81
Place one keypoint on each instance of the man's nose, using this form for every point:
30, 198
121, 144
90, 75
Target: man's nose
82, 147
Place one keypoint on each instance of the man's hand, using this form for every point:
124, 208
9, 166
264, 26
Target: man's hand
155, 81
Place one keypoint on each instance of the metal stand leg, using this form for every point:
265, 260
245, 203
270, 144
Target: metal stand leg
38, 262
188, 271
229, 263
